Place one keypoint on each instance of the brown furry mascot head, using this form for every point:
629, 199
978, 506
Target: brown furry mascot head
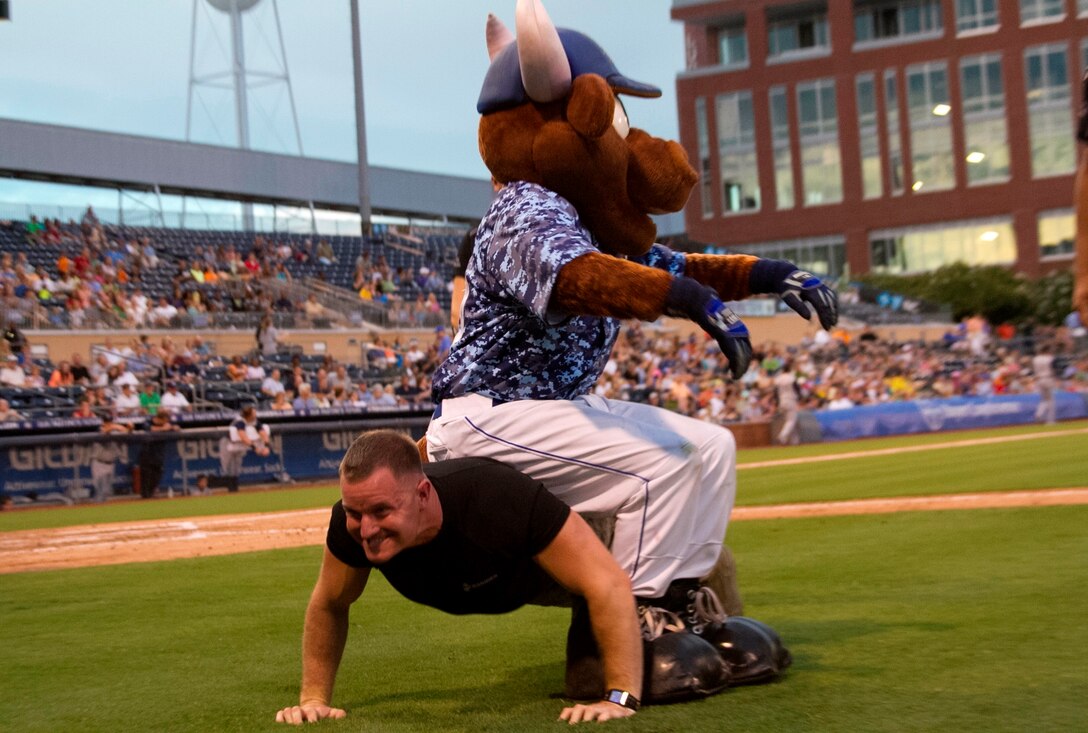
552, 116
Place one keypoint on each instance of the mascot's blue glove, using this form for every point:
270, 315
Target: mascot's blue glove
797, 288
691, 299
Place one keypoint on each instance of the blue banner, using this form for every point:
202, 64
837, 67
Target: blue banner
931, 416
61, 464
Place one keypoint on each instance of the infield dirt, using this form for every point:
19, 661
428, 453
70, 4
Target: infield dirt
173, 539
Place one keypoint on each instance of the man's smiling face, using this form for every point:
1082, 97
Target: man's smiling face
385, 514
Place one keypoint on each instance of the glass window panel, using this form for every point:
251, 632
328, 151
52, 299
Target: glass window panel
1050, 116
706, 179
783, 155
732, 46
895, 146
923, 249
930, 128
803, 32
821, 172
985, 135
737, 164
872, 180
1057, 233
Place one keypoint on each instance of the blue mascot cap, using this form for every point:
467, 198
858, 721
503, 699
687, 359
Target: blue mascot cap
503, 88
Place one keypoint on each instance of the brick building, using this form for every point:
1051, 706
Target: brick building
884, 135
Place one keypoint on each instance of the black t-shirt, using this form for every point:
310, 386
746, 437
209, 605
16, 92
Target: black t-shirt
494, 521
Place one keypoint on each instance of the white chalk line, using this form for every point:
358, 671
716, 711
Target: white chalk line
936, 502
910, 449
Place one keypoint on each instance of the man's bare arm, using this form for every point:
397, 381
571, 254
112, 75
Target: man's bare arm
577, 559
323, 638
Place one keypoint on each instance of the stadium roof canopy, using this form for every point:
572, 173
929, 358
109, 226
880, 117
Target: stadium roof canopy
87, 157
59, 154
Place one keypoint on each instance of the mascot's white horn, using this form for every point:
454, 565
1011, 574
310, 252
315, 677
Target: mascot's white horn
498, 36
545, 72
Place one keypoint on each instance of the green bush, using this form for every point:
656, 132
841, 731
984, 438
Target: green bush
998, 294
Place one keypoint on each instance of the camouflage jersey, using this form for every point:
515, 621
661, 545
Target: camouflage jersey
511, 346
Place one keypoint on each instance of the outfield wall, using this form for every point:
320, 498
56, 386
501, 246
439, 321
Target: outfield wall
59, 465
932, 416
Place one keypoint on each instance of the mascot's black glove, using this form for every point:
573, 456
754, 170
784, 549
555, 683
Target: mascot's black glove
796, 288
691, 299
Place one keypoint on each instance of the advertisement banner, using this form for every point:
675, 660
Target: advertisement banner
931, 416
59, 466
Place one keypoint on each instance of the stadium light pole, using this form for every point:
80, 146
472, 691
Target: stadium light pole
360, 118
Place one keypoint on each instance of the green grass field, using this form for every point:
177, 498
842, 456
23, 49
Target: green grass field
942, 621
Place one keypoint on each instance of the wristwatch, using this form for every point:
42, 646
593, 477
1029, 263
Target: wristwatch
624, 698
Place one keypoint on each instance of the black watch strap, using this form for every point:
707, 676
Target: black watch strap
624, 698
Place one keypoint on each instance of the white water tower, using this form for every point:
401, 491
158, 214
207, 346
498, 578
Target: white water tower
214, 66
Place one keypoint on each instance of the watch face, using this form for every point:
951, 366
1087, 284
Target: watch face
621, 697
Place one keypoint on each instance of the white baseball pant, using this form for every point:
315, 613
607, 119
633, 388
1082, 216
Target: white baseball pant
669, 480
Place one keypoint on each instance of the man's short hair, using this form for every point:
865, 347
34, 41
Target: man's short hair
380, 449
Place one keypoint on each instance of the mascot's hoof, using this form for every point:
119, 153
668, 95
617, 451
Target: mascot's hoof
682, 666
585, 676
752, 650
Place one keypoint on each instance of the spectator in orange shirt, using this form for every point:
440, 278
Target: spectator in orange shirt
62, 376
236, 370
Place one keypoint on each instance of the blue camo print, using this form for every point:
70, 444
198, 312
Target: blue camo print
511, 347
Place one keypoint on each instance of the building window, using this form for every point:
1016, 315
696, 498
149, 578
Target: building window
872, 181
706, 180
821, 171
923, 249
1057, 232
798, 33
824, 256
985, 137
1050, 114
895, 145
881, 20
974, 15
732, 46
738, 167
783, 156
1041, 11
929, 113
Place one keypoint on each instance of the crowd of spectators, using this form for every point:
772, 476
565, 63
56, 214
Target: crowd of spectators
831, 371
108, 276
683, 373
410, 293
143, 377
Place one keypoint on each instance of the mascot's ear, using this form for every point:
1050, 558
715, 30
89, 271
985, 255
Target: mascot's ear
591, 106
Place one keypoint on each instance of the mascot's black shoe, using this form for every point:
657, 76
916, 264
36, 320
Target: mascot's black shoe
678, 665
752, 649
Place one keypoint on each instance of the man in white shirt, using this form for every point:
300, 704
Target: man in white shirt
11, 374
272, 385
163, 313
127, 402
174, 401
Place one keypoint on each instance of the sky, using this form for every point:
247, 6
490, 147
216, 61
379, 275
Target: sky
124, 66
